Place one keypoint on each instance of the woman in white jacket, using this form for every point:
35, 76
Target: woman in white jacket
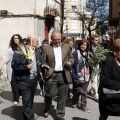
7, 58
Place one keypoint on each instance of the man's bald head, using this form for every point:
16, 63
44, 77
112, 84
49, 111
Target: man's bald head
56, 37
55, 32
33, 40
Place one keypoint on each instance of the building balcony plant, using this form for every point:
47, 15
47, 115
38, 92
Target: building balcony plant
51, 11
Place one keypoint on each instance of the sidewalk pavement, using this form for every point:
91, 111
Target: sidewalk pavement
11, 112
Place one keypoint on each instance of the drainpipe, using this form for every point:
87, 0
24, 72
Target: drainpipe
46, 3
35, 9
62, 16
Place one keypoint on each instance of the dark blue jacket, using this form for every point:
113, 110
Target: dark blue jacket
19, 65
39, 61
74, 73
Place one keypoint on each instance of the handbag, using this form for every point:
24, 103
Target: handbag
111, 96
80, 80
110, 91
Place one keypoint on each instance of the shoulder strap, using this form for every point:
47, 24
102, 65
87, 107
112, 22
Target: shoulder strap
79, 55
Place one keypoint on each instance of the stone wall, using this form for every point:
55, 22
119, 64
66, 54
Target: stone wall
20, 25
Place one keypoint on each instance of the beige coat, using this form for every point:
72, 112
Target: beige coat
48, 55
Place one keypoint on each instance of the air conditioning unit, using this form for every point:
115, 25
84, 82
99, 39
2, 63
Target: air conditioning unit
3, 12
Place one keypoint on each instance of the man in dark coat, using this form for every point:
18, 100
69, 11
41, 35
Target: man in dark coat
26, 65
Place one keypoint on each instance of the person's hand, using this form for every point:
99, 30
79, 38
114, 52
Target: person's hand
41, 75
68, 64
30, 66
45, 66
79, 74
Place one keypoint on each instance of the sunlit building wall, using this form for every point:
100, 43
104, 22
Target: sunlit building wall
72, 26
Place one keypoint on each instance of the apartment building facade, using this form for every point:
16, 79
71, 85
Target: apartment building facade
72, 26
114, 18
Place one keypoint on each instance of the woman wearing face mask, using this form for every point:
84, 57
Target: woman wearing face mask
82, 70
7, 58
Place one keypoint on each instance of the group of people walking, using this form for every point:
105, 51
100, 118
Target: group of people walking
59, 64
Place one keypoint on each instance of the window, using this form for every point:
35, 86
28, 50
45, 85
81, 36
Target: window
74, 26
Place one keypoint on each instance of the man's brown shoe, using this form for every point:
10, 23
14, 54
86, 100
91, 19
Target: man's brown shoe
57, 118
85, 109
45, 114
74, 106
96, 100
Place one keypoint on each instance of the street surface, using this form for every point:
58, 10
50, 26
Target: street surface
11, 112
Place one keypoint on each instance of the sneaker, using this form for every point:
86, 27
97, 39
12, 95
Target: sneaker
96, 100
74, 106
41, 93
57, 118
91, 94
68, 97
15, 102
20, 97
85, 109
45, 114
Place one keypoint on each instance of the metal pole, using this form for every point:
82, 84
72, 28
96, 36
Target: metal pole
83, 29
46, 3
67, 29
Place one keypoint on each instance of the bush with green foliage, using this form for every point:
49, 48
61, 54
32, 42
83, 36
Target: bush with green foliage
96, 58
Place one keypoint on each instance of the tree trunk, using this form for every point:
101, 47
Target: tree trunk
89, 33
62, 10
83, 29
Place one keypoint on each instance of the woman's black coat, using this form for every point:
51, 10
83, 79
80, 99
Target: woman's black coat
109, 78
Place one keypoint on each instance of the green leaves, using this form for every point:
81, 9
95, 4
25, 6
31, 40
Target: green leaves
98, 55
38, 63
3, 81
1, 73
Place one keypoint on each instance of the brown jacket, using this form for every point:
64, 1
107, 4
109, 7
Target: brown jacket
48, 55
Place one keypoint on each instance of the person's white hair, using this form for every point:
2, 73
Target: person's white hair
55, 31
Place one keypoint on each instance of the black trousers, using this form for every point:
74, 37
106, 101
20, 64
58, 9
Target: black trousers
41, 83
103, 117
33, 89
26, 101
15, 89
28, 92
